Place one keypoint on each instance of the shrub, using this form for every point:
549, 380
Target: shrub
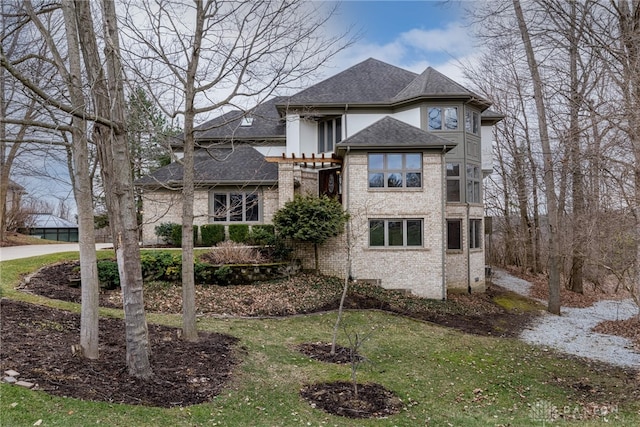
212, 234
160, 265
175, 238
223, 273
263, 234
108, 274
239, 233
232, 253
164, 231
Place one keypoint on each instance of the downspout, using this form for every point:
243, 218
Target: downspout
468, 248
443, 162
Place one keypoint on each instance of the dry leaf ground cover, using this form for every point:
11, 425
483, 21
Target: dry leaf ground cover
441, 376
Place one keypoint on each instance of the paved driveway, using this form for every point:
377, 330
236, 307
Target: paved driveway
15, 252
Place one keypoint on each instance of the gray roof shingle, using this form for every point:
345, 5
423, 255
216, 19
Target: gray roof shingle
266, 123
390, 133
370, 81
241, 164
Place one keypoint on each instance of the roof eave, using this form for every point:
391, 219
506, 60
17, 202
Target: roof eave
370, 147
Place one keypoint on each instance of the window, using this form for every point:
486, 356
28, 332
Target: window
453, 182
401, 170
329, 134
234, 207
472, 122
395, 232
454, 234
443, 118
475, 233
473, 184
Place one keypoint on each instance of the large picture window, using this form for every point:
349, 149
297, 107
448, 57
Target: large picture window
234, 207
329, 134
395, 170
475, 233
395, 232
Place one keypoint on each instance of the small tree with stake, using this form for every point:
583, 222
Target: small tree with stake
311, 219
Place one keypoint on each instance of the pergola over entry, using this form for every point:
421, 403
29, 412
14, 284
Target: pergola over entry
329, 168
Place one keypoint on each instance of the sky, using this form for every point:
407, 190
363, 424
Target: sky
409, 34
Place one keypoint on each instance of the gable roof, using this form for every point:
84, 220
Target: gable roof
370, 81
390, 133
230, 165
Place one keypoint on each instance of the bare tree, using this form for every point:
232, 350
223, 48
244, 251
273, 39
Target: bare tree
219, 54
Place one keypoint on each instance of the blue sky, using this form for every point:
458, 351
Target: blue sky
409, 34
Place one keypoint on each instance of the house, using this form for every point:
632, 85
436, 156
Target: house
15, 192
406, 154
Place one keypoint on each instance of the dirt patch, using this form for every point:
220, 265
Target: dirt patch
36, 342
340, 398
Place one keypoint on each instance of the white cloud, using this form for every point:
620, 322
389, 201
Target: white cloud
452, 40
444, 49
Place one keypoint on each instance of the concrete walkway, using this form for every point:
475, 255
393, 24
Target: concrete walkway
16, 252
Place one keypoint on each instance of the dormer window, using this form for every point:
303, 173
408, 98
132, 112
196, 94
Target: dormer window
329, 134
246, 121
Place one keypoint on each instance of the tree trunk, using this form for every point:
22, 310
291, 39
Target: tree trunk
113, 154
578, 219
550, 191
83, 195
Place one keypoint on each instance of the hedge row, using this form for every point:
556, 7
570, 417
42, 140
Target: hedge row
212, 234
167, 266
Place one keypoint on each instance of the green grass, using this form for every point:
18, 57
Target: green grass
444, 377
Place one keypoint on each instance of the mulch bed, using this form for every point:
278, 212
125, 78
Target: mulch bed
36, 342
339, 398
322, 351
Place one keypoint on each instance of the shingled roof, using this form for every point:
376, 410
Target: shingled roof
241, 164
370, 81
431, 83
390, 133
261, 123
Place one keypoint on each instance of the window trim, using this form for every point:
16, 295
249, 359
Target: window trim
405, 234
451, 178
472, 122
387, 172
474, 183
213, 218
444, 114
460, 242
475, 233
327, 140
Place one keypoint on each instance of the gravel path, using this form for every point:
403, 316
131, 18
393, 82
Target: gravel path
572, 331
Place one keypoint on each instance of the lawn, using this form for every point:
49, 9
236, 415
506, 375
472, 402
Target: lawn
444, 377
